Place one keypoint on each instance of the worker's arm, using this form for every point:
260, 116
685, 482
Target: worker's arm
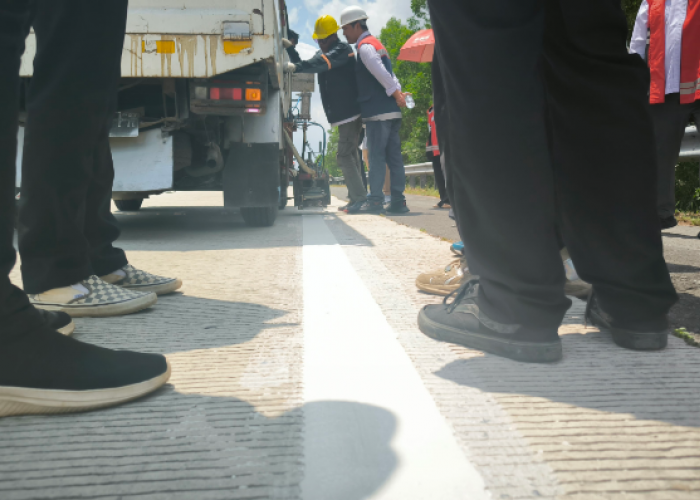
638, 43
338, 56
373, 61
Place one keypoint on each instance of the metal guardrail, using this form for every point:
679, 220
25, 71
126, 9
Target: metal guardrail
690, 147
419, 169
690, 150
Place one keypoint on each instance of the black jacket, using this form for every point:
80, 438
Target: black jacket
336, 80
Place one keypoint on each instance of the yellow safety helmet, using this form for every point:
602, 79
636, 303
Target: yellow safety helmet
325, 27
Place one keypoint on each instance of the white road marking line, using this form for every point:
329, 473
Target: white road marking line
372, 430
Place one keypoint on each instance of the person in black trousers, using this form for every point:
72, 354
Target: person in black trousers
41, 370
432, 154
66, 227
574, 100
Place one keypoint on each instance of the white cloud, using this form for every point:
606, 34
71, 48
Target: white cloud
306, 50
379, 11
293, 16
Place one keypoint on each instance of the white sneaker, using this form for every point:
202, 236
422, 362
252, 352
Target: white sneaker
101, 299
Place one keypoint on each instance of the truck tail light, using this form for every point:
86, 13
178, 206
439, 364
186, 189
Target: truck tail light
225, 94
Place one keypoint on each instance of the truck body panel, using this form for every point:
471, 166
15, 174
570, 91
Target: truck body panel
210, 74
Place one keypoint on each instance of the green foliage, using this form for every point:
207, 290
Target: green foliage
687, 187
631, 7
331, 152
415, 78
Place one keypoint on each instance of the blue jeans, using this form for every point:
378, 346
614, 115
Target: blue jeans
384, 145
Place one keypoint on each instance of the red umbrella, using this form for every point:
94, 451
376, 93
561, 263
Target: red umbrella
419, 48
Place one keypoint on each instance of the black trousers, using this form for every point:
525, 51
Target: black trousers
670, 119
439, 177
76, 71
548, 124
66, 228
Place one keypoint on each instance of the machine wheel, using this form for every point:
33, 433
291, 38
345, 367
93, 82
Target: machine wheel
129, 205
259, 216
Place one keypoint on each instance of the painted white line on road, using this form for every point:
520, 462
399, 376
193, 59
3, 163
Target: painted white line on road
372, 430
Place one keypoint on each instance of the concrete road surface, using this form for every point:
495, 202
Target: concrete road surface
299, 373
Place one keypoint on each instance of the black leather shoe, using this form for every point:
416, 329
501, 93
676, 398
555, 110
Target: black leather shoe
643, 337
461, 322
366, 207
668, 222
398, 207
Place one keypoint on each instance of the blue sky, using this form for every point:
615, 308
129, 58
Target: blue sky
302, 17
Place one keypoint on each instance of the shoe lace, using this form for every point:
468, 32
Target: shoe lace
468, 290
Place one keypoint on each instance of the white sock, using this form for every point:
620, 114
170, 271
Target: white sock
80, 288
120, 273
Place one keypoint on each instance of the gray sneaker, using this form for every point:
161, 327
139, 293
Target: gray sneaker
462, 322
102, 299
141, 281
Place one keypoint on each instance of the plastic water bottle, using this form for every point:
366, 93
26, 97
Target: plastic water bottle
410, 103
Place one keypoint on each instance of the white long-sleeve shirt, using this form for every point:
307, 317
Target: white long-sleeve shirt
674, 16
373, 61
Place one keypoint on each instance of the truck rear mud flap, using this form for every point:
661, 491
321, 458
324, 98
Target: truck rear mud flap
252, 176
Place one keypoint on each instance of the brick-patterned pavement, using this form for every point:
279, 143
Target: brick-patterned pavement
233, 422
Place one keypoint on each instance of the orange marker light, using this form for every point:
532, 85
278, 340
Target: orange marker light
253, 94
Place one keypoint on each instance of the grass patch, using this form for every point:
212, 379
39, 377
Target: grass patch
688, 218
689, 338
427, 191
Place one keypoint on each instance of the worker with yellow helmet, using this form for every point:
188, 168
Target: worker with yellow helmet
335, 66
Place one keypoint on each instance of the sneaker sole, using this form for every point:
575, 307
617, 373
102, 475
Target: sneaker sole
541, 352
163, 289
22, 401
67, 330
436, 289
632, 340
102, 311
456, 252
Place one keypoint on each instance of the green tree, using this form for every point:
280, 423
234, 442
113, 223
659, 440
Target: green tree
631, 7
331, 152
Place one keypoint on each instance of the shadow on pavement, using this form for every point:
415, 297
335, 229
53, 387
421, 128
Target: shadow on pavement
598, 375
211, 228
229, 424
681, 268
681, 236
186, 446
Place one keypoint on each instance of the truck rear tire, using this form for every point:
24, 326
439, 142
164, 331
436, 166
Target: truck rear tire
259, 216
129, 205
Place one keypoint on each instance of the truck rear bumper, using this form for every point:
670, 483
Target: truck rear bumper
143, 163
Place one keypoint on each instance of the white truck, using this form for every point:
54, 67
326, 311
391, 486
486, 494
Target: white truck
203, 103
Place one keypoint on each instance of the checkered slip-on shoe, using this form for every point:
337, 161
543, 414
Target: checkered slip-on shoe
141, 281
101, 300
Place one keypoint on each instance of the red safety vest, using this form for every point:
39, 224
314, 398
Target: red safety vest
432, 144
381, 50
690, 52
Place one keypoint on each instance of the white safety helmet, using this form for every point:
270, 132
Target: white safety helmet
352, 15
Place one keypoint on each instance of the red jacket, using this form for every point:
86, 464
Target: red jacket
432, 145
690, 52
